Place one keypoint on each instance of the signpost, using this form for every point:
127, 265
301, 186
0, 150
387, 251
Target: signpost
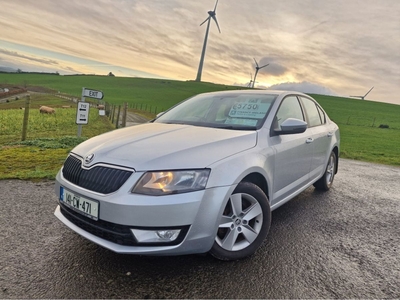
82, 115
82, 111
92, 94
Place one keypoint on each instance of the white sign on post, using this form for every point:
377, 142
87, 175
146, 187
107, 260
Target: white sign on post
82, 113
92, 94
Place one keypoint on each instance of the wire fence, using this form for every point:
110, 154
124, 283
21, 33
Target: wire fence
377, 122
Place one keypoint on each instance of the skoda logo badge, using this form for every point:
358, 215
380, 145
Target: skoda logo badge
89, 158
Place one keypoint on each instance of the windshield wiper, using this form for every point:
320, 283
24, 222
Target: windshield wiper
213, 125
226, 126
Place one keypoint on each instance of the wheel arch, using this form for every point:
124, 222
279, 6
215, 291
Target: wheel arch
259, 180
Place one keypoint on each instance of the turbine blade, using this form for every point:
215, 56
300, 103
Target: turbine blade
205, 21
216, 22
264, 66
368, 92
255, 62
215, 8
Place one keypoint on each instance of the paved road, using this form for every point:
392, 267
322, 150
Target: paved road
135, 119
341, 244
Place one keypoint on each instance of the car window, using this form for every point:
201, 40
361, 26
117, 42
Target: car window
313, 115
194, 112
321, 114
230, 111
290, 108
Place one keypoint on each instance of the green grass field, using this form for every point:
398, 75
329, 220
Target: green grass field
49, 137
360, 112
46, 148
117, 90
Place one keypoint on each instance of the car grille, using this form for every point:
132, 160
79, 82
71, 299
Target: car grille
116, 233
99, 179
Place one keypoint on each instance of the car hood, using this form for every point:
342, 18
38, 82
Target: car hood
156, 146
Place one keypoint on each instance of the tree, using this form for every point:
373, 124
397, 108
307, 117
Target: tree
111, 74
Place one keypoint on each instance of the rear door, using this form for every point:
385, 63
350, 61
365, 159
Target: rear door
321, 137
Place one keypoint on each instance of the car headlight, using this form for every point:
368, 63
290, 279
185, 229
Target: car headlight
171, 182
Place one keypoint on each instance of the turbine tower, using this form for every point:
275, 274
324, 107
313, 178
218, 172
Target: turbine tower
257, 69
362, 97
251, 81
211, 15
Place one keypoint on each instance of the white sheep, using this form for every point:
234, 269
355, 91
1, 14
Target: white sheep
46, 110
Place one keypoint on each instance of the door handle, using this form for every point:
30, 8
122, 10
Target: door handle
309, 140
330, 134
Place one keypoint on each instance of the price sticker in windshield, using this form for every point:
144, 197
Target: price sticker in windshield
249, 110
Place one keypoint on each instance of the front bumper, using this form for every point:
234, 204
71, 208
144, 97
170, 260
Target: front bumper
197, 214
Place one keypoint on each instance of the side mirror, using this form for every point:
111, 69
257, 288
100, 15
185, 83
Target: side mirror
291, 126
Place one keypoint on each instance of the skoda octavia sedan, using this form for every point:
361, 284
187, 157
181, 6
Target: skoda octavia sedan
202, 177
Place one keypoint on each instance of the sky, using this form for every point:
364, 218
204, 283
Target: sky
335, 47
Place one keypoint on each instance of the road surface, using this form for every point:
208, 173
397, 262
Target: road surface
340, 244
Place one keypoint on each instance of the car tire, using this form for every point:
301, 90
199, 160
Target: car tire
244, 223
326, 181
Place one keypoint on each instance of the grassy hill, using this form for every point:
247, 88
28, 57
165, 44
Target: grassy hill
118, 90
165, 93
359, 120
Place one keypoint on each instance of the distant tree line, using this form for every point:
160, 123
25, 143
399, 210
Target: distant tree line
19, 71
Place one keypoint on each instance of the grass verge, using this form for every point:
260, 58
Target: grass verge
49, 139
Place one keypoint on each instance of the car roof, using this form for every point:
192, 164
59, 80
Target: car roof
266, 92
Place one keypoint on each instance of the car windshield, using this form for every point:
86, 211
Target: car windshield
244, 111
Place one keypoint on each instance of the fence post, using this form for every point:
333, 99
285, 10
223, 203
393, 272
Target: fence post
26, 117
117, 123
124, 112
113, 114
373, 123
108, 110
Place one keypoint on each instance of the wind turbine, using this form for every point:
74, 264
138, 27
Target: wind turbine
257, 69
362, 97
251, 81
211, 15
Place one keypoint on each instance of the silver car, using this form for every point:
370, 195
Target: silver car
202, 177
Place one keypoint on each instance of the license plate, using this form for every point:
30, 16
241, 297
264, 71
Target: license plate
86, 207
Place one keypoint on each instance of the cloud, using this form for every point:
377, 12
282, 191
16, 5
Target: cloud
31, 58
347, 46
304, 87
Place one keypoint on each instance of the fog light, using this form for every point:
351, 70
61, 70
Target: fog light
156, 236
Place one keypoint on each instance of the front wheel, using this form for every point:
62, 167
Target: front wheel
244, 223
326, 181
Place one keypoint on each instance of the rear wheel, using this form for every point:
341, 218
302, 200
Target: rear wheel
326, 181
244, 223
